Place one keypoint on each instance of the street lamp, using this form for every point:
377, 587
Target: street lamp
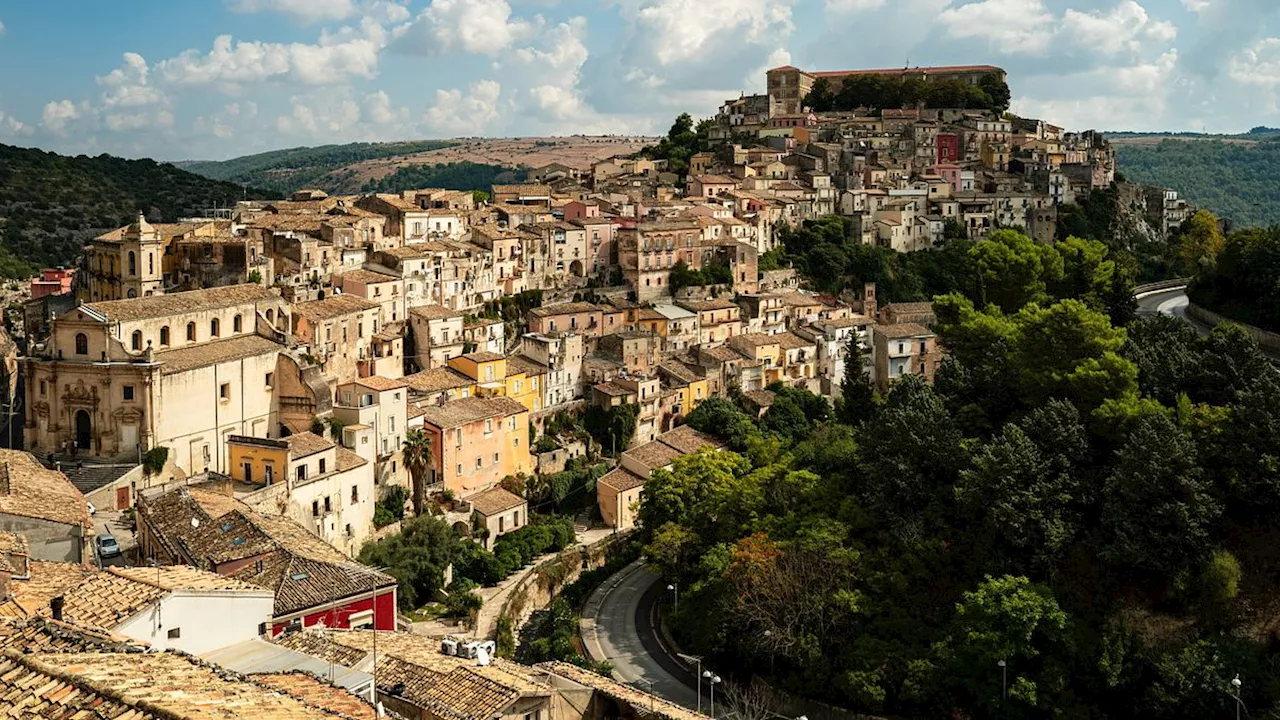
1004, 679
675, 588
768, 637
713, 680
696, 673
1235, 684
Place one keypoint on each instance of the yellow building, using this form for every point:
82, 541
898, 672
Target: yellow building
476, 442
525, 380
487, 369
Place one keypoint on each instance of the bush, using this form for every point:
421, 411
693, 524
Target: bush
462, 599
514, 550
390, 507
155, 458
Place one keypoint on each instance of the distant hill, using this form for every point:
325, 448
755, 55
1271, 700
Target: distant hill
1232, 176
463, 175
51, 204
323, 167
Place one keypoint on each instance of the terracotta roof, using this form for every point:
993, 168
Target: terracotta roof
332, 307
379, 383
654, 454
525, 190
437, 380
38, 634
467, 410
318, 644
13, 543
406, 252
367, 277
494, 500
621, 480
686, 439
29, 490
347, 460
520, 364
642, 703
201, 355
564, 309
762, 398
484, 356
306, 443
317, 693
48, 580
612, 389
32, 690
909, 70
434, 312
174, 684
903, 330
104, 600
678, 371
183, 302
908, 307
181, 577
791, 341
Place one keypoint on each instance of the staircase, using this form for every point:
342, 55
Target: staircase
89, 477
582, 522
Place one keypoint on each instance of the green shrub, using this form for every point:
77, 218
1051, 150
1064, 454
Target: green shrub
155, 458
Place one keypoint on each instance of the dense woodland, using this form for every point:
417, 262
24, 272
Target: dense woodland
51, 204
464, 175
1233, 179
876, 92
1090, 498
1237, 275
287, 170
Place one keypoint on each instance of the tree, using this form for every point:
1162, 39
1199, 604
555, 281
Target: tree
720, 417
857, 398
1013, 270
1200, 244
820, 97
612, 427
1158, 508
417, 557
1068, 350
418, 460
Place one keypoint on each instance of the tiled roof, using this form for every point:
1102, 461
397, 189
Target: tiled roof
792, 341
317, 693
437, 379
318, 644
182, 577
908, 307
564, 309
183, 302
171, 684
494, 500
13, 543
367, 277
31, 690
483, 356
523, 190
642, 703
612, 389
29, 490
903, 330
201, 355
654, 454
762, 398
434, 312
105, 600
48, 580
347, 460
306, 443
678, 371
467, 410
332, 307
621, 480
39, 634
520, 364
379, 383
686, 439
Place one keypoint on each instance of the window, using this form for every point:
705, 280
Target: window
191, 332
479, 463
151, 263
164, 336
224, 391
355, 495
495, 458
315, 508
458, 437
268, 380
133, 263
42, 387
236, 324
488, 426
213, 327
327, 506
301, 472
922, 347
137, 340
175, 633
515, 442
82, 344
128, 392
501, 524
348, 529
270, 473
459, 468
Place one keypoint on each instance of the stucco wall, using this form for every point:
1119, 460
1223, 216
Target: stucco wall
204, 620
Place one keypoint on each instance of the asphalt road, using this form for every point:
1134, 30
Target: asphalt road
618, 626
1169, 302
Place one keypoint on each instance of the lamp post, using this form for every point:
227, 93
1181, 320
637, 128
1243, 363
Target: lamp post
1235, 685
712, 679
1004, 679
675, 588
697, 659
768, 637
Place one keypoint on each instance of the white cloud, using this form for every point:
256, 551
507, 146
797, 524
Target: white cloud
1197, 6
300, 10
484, 27
161, 119
234, 62
128, 85
11, 126
1008, 25
1, 28
849, 6
377, 106
1127, 27
1257, 65
320, 117
57, 114
469, 114
679, 30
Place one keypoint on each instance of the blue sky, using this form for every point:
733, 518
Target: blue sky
219, 78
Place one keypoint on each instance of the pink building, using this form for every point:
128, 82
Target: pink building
52, 281
950, 173
579, 210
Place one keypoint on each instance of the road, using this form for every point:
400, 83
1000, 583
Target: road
1169, 302
618, 626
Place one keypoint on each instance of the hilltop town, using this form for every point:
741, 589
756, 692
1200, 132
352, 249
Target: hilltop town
250, 392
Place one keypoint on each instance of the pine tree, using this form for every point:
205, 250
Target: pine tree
858, 399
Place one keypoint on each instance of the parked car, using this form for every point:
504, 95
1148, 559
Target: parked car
92, 509
108, 547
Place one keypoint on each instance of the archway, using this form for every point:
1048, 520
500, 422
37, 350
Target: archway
577, 269
84, 430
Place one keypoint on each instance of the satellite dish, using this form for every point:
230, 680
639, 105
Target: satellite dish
195, 522
482, 656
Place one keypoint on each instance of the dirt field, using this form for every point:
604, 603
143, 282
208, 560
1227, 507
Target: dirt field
577, 151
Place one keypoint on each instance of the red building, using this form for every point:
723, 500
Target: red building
52, 281
313, 582
948, 147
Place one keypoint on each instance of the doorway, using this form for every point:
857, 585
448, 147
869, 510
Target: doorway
84, 430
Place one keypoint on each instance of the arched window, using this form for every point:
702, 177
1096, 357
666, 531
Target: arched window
82, 344
133, 263
137, 339
213, 327
164, 335
133, 293
271, 315
191, 332
236, 324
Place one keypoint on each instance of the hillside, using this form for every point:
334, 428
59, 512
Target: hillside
293, 168
51, 204
1232, 176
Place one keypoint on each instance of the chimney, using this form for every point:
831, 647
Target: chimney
55, 605
4, 478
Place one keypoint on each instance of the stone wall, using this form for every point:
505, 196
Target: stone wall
1268, 341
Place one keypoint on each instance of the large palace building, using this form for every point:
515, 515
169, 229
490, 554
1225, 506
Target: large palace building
789, 85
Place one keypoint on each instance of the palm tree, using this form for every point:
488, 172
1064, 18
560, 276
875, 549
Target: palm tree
417, 458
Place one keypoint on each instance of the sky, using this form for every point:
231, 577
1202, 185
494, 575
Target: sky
213, 79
